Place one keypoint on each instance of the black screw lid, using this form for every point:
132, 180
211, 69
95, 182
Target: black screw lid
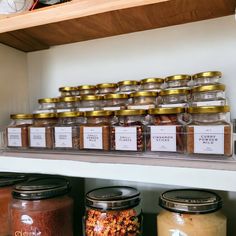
9, 179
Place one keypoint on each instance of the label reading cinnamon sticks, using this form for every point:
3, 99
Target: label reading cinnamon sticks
93, 138
63, 137
37, 137
163, 138
209, 139
14, 137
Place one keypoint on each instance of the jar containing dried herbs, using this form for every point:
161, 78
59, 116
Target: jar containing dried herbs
106, 88
210, 132
165, 131
87, 90
95, 134
113, 211
128, 86
42, 206
41, 132
69, 91
66, 104
208, 77
151, 84
47, 105
91, 103
176, 81
114, 102
17, 131
66, 132
128, 133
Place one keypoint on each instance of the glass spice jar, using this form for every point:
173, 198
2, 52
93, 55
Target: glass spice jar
41, 132
91, 103
113, 211
191, 212
143, 100
47, 105
128, 133
210, 132
69, 91
66, 132
128, 86
87, 90
66, 104
176, 81
151, 84
42, 207
95, 134
208, 77
106, 88
165, 131
114, 102
209, 95
17, 131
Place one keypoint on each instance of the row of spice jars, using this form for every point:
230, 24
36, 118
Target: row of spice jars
203, 130
153, 84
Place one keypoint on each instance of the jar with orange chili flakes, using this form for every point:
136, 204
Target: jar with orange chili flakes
113, 211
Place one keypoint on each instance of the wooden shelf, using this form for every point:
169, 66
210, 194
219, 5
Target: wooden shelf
81, 20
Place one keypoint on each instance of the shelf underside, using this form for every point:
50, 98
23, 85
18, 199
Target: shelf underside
90, 19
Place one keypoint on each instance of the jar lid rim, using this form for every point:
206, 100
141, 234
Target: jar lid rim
211, 87
208, 109
166, 110
69, 99
68, 89
152, 80
116, 96
106, 85
21, 116
178, 77
91, 98
130, 112
84, 87
174, 92
44, 115
48, 100
207, 74
70, 114
98, 113
128, 82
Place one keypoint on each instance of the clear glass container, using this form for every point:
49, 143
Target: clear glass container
113, 211
17, 131
91, 103
176, 81
69, 91
165, 131
87, 90
108, 88
128, 86
128, 132
175, 96
114, 102
41, 131
151, 84
95, 134
66, 132
208, 77
191, 212
143, 100
209, 132
42, 207
68, 104
47, 105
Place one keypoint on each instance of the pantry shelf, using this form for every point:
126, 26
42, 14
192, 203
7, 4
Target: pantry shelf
81, 20
168, 170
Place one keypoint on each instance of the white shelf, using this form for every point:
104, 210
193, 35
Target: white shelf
175, 170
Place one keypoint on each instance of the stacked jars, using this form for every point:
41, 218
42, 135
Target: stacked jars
91, 103
177, 81
151, 84
114, 102
66, 104
47, 105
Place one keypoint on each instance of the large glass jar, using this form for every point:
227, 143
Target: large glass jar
210, 132
114, 211
165, 131
69, 91
191, 212
42, 207
91, 103
17, 131
176, 81
68, 104
114, 102
208, 77
41, 132
66, 132
151, 84
128, 86
128, 133
87, 90
95, 134
143, 100
106, 88
7, 182
47, 105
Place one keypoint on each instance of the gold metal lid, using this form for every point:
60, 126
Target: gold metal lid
69, 99
68, 89
208, 109
107, 85
205, 88
70, 114
128, 82
207, 74
48, 100
116, 96
91, 97
99, 113
151, 80
45, 115
21, 116
174, 92
144, 94
130, 112
85, 87
166, 110
178, 77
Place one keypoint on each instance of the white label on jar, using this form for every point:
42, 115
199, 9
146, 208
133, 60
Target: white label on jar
143, 107
14, 137
176, 232
163, 138
126, 138
209, 139
86, 109
93, 138
37, 137
63, 137
111, 108
210, 103
63, 110
174, 105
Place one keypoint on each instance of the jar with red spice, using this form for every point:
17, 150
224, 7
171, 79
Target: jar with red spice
42, 207
113, 211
